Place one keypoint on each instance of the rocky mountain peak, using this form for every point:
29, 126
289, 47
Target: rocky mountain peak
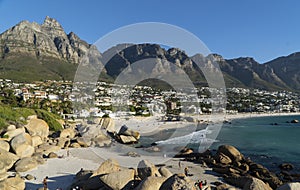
52, 23
46, 40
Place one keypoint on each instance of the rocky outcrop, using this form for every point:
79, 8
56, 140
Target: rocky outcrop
25, 164
256, 184
46, 40
178, 181
37, 127
21, 145
151, 183
118, 180
12, 183
147, 169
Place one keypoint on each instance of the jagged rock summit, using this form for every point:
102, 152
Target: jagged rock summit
47, 40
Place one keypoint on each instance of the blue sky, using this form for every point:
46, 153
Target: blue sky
263, 29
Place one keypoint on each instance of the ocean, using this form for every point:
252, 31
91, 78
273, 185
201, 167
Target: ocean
269, 141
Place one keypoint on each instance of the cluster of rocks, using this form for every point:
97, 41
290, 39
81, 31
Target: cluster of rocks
23, 148
110, 175
241, 172
102, 133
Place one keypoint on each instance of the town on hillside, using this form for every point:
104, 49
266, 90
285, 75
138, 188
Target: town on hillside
59, 97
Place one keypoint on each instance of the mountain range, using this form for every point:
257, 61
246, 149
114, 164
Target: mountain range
30, 51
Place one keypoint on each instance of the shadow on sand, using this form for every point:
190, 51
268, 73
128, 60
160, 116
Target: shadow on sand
62, 182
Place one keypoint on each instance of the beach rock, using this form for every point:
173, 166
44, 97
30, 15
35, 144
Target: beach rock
108, 124
231, 152
25, 164
124, 130
68, 133
228, 170
63, 142
37, 127
36, 141
12, 133
295, 121
12, 183
133, 154
127, 139
4, 145
236, 180
3, 176
222, 158
256, 184
151, 183
102, 140
286, 166
21, 145
146, 169
83, 142
7, 159
108, 166
39, 157
52, 155
29, 177
165, 172
11, 128
178, 181
290, 186
47, 148
75, 145
118, 180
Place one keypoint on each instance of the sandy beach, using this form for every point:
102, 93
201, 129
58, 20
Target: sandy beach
61, 171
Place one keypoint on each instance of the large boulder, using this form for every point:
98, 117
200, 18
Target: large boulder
222, 158
178, 181
36, 141
151, 183
4, 145
124, 130
108, 124
127, 139
13, 183
108, 166
101, 140
63, 142
231, 152
290, 186
37, 127
8, 159
14, 132
146, 169
256, 184
68, 133
118, 180
25, 164
165, 172
21, 145
82, 142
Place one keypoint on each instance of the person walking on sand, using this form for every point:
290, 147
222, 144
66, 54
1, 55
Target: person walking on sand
186, 171
179, 164
200, 185
45, 183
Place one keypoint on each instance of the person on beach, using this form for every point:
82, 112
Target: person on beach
45, 183
186, 171
179, 164
200, 185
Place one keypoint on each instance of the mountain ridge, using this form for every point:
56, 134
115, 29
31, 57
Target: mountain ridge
32, 51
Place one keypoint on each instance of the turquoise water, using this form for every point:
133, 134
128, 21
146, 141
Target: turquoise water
265, 143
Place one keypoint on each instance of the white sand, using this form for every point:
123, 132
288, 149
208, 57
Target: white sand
61, 171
